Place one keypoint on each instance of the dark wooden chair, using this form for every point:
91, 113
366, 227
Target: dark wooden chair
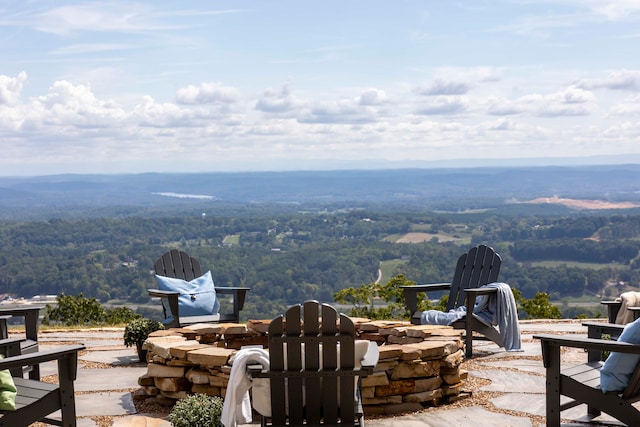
30, 318
303, 393
581, 383
36, 401
479, 266
180, 265
613, 310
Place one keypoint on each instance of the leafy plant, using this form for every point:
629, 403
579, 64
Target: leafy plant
137, 331
197, 410
539, 307
74, 310
362, 298
78, 310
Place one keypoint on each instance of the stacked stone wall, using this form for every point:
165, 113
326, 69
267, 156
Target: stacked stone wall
418, 365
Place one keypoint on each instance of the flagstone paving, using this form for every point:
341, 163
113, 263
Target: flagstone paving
515, 381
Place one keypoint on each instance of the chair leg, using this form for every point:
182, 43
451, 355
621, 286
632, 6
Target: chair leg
468, 342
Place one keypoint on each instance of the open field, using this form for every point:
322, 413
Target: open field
583, 204
387, 268
591, 265
417, 237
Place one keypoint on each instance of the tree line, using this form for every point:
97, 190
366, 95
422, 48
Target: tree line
287, 257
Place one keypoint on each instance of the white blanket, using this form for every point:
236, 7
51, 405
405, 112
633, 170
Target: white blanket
628, 299
237, 405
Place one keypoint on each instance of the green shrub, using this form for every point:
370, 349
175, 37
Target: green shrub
137, 331
74, 310
81, 311
391, 293
198, 410
539, 307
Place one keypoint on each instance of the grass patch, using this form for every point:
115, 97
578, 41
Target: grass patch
232, 239
590, 265
388, 267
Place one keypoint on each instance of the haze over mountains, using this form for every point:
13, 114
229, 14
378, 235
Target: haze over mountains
428, 188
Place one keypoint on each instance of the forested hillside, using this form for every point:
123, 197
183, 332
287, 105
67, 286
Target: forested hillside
288, 255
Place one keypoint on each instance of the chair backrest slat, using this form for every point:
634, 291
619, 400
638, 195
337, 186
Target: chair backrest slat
179, 265
276, 364
478, 267
314, 396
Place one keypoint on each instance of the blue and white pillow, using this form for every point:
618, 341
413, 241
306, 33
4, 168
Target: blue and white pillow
617, 370
197, 297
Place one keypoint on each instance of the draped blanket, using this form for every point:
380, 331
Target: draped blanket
628, 299
497, 309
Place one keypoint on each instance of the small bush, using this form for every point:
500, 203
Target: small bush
198, 410
362, 298
82, 311
74, 310
137, 331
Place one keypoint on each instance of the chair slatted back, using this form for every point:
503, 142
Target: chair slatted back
178, 265
478, 267
309, 336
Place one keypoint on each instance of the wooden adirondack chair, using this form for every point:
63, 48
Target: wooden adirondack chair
614, 307
180, 265
479, 266
37, 400
30, 314
581, 383
303, 393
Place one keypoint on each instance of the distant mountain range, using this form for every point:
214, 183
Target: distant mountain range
429, 188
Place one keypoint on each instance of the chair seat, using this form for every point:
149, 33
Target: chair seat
192, 320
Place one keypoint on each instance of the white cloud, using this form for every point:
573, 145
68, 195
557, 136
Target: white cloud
98, 17
443, 105
572, 101
11, 87
207, 93
442, 87
345, 111
616, 10
278, 101
628, 106
372, 97
626, 80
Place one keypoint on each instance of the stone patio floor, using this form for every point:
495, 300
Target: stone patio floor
512, 382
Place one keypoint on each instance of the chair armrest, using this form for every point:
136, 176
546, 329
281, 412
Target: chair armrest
239, 295
411, 293
41, 357
471, 294
549, 341
10, 346
481, 291
161, 294
596, 330
31, 316
613, 307
635, 311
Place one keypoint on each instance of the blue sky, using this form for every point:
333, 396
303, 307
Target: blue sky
197, 86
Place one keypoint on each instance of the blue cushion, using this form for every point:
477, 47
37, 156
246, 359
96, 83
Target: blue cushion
197, 297
619, 367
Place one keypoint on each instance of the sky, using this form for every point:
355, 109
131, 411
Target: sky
207, 86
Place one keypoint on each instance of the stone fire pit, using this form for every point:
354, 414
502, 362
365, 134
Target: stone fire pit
419, 365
